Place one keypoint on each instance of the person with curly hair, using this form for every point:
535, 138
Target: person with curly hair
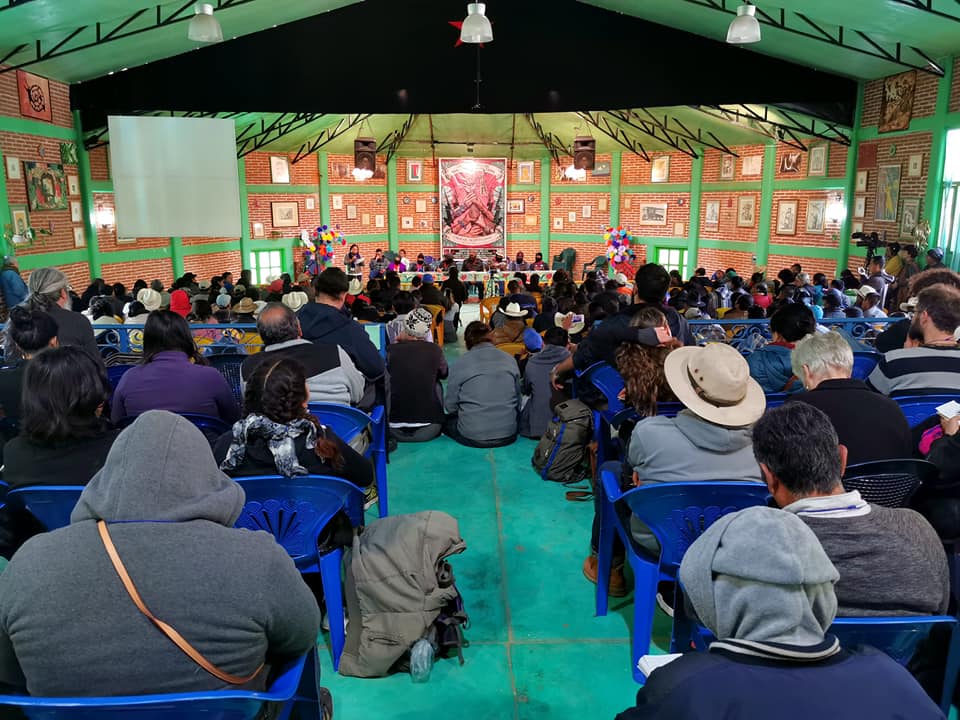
641, 366
278, 435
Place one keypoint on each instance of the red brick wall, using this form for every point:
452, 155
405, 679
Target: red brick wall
206, 266
802, 237
562, 204
955, 89
368, 206
634, 170
128, 272
727, 228
924, 99
713, 260
678, 211
99, 163
77, 273
305, 172
261, 210
59, 99
776, 263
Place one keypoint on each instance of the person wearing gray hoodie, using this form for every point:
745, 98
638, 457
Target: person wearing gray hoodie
68, 626
770, 605
538, 409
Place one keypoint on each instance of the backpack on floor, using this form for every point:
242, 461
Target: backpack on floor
561, 454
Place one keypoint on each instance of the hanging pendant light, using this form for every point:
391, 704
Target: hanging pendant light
745, 28
204, 27
476, 27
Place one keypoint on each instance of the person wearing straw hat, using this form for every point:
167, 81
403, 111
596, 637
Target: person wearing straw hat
708, 440
295, 300
245, 310
515, 323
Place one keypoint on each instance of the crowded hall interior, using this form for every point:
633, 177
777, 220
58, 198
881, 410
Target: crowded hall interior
352, 368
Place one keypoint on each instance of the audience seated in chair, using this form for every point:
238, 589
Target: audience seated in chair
894, 335
941, 504
641, 366
515, 323
30, 331
173, 376
770, 365
483, 393
235, 595
403, 303
709, 440
934, 367
416, 369
430, 294
891, 561
331, 374
279, 436
871, 426
538, 390
761, 583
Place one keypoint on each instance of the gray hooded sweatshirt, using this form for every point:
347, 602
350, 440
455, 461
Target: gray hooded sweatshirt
68, 626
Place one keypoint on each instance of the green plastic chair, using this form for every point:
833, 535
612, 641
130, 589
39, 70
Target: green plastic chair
565, 260
600, 263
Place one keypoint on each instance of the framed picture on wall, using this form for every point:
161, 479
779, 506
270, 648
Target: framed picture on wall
525, 173
73, 185
817, 161
406, 222
571, 217
79, 239
280, 169
859, 206
351, 212
653, 213
856, 227
515, 207
310, 202
790, 163
337, 201
601, 169
888, 192
896, 104
816, 215
915, 165
76, 214
752, 166
530, 220
660, 169
379, 221
711, 215
727, 163
414, 171
258, 230
746, 211
285, 214
862, 176
787, 217
558, 223
46, 186
20, 220
586, 211
13, 168
910, 216
34, 92
421, 206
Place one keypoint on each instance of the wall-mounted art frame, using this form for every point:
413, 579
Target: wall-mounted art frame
280, 169
46, 186
285, 214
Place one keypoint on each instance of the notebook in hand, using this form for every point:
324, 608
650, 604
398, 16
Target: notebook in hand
648, 663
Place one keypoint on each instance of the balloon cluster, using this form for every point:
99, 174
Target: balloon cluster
319, 248
618, 244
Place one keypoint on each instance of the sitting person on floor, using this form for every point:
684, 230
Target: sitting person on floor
170, 513
770, 365
403, 303
173, 376
891, 561
483, 393
539, 392
416, 369
871, 426
770, 604
331, 374
279, 436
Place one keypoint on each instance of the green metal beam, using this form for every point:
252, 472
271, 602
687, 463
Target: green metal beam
545, 173
850, 184
210, 248
86, 199
693, 230
766, 203
101, 186
176, 256
392, 212
616, 170
52, 259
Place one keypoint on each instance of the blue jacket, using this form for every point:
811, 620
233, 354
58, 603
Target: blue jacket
722, 686
326, 325
12, 286
770, 366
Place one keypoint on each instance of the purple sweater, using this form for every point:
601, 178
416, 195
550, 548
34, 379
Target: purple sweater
171, 382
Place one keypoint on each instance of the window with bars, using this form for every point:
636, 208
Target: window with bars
673, 259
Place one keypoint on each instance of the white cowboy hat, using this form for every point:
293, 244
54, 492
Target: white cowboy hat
714, 383
575, 328
355, 288
514, 310
295, 300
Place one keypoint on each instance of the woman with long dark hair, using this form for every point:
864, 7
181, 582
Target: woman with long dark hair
173, 375
642, 367
278, 435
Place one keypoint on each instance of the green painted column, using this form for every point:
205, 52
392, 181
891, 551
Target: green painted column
5, 216
322, 166
176, 256
766, 203
392, 221
850, 184
244, 215
86, 200
615, 172
546, 172
693, 230
938, 150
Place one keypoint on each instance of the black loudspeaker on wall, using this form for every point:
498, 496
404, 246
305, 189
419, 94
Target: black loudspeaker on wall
584, 153
365, 154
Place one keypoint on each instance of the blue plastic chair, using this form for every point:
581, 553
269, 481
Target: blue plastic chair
51, 505
864, 361
348, 422
918, 408
115, 372
228, 365
890, 483
677, 513
296, 511
296, 685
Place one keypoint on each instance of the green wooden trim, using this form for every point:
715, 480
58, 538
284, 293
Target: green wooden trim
86, 200
417, 237
323, 167
576, 237
101, 186
825, 253
616, 174
814, 183
530, 187
728, 186
766, 203
952, 120
134, 254
368, 238
176, 256
359, 189
392, 213
52, 259
5, 214
38, 128
244, 213
523, 236
655, 187
938, 152
581, 187
546, 169
737, 245
418, 188
693, 230
210, 248
284, 245
673, 243
850, 186
281, 189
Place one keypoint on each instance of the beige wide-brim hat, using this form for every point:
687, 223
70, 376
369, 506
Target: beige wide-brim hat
246, 307
356, 287
150, 299
575, 328
295, 300
714, 383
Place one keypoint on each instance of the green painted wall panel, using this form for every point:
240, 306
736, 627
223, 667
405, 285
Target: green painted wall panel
850, 184
101, 186
244, 213
730, 186
38, 128
210, 248
814, 183
693, 229
545, 171
392, 212
766, 202
5, 218
656, 188
281, 189
52, 259
805, 251
86, 200
355, 189
118, 256
581, 188
616, 170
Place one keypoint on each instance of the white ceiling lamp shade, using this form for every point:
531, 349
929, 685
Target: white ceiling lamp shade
744, 29
574, 173
362, 174
476, 27
204, 27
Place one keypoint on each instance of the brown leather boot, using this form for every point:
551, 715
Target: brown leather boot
618, 584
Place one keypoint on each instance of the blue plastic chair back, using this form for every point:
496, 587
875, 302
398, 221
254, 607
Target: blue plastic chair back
864, 361
295, 684
49, 504
115, 372
228, 365
897, 637
890, 483
918, 408
605, 378
347, 422
670, 409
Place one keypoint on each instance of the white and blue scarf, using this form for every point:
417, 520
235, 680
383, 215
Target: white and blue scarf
280, 439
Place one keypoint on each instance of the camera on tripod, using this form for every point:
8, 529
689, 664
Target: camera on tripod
870, 241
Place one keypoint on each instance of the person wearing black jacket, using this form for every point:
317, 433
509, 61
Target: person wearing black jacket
416, 369
458, 289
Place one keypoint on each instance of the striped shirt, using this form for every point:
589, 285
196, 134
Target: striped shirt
918, 371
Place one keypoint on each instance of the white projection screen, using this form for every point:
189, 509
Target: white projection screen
174, 177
